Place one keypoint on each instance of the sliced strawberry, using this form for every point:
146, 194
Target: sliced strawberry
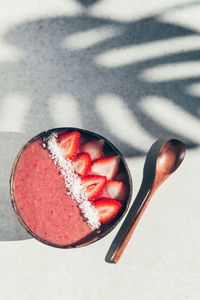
94, 148
82, 163
69, 143
93, 185
106, 166
107, 209
115, 190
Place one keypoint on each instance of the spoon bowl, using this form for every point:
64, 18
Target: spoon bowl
170, 157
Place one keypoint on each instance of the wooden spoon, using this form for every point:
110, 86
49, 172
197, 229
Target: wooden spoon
168, 160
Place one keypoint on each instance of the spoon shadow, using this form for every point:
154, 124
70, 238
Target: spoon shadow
147, 181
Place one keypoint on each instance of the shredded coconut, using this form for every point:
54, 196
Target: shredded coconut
71, 180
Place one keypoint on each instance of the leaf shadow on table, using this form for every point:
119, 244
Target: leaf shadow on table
49, 68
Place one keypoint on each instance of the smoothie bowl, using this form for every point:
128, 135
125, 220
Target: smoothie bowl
69, 187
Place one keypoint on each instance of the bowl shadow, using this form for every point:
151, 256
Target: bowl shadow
10, 228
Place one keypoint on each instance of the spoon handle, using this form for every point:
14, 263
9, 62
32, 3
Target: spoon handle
125, 239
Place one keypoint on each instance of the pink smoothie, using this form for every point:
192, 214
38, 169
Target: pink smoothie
42, 201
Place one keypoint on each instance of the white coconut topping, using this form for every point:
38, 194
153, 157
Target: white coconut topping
72, 181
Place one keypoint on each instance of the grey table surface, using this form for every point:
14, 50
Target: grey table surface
130, 71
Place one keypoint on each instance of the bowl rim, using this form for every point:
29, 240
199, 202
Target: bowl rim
99, 235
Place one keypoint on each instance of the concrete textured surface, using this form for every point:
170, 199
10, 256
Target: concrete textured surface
129, 70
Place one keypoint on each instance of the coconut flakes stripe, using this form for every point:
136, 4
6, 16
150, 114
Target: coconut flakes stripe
72, 181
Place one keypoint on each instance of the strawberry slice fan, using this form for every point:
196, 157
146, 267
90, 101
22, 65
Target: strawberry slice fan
97, 174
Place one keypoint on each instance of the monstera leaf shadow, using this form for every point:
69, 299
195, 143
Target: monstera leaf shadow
48, 68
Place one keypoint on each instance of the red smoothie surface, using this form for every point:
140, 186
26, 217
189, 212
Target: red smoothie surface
42, 201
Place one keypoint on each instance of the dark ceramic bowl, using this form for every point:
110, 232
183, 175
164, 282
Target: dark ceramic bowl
109, 149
